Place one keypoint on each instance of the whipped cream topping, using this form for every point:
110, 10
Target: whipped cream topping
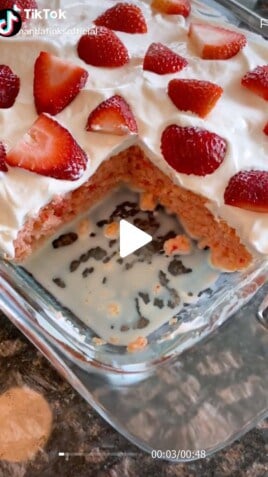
239, 116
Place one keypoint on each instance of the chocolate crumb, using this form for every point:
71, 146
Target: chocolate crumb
87, 272
159, 303
124, 328
92, 234
150, 226
125, 209
59, 282
163, 278
101, 223
104, 280
176, 268
112, 243
107, 259
190, 294
74, 265
128, 266
120, 261
175, 297
145, 297
64, 240
84, 257
141, 323
98, 253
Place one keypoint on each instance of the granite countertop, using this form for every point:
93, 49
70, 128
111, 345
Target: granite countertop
69, 424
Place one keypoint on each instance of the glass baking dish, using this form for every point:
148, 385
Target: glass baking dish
149, 395
74, 292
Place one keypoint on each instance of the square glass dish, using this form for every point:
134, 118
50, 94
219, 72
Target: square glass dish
179, 392
94, 303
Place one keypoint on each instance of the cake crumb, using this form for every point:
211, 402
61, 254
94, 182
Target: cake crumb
180, 244
111, 230
148, 201
157, 289
98, 341
113, 309
83, 227
173, 321
138, 344
113, 340
202, 244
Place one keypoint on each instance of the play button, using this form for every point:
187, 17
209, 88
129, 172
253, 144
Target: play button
131, 238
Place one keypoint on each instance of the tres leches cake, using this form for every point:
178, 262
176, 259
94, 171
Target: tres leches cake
146, 93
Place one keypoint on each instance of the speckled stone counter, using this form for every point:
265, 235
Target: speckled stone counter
76, 428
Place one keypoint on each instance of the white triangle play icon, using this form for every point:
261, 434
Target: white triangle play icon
131, 238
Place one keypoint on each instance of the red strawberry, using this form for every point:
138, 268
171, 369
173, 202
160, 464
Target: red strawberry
20, 4
9, 87
123, 17
214, 42
56, 83
161, 60
248, 190
3, 166
192, 150
50, 150
257, 81
172, 7
265, 129
112, 116
193, 95
101, 47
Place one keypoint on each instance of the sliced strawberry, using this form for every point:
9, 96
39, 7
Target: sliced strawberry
172, 7
3, 166
192, 150
161, 60
50, 150
9, 87
248, 190
193, 95
257, 81
123, 17
21, 6
101, 47
214, 42
56, 83
265, 129
112, 116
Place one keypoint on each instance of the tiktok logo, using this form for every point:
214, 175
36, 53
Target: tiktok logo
10, 22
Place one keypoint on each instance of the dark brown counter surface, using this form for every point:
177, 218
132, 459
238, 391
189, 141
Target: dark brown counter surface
77, 428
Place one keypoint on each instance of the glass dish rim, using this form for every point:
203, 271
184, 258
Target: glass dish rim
100, 357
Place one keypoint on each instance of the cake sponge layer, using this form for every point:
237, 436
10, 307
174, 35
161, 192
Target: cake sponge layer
134, 168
